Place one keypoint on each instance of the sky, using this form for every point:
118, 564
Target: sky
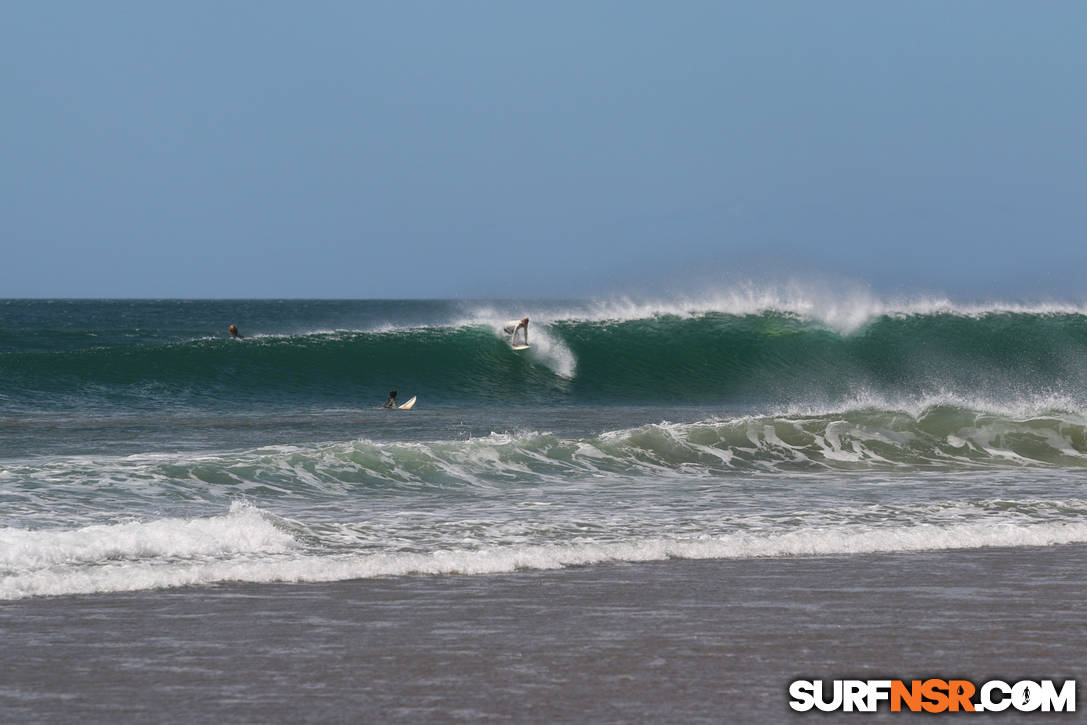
475, 149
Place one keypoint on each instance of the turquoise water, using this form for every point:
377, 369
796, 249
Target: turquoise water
141, 447
175, 355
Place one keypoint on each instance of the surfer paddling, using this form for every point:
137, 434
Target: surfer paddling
233, 330
512, 328
392, 404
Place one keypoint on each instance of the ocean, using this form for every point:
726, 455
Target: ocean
633, 464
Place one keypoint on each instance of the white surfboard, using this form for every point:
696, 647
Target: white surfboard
408, 405
519, 347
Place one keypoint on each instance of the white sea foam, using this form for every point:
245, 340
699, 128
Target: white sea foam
552, 352
129, 573
1008, 403
244, 530
935, 434
844, 307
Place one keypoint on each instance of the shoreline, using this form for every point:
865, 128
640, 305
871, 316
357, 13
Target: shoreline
673, 641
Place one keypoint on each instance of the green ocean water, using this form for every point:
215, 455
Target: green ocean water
141, 447
175, 355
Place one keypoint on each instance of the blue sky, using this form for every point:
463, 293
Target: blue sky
506, 149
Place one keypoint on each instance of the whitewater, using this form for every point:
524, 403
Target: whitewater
142, 449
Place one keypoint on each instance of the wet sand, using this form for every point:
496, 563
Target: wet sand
667, 642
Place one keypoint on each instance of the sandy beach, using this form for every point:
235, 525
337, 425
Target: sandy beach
675, 641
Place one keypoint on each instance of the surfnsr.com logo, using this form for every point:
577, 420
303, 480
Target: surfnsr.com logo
932, 695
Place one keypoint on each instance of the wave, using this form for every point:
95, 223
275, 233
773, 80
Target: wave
249, 545
636, 357
844, 309
936, 438
244, 530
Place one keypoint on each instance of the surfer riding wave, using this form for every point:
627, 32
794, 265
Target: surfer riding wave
513, 327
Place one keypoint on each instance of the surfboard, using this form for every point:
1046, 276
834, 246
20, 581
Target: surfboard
519, 347
408, 405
